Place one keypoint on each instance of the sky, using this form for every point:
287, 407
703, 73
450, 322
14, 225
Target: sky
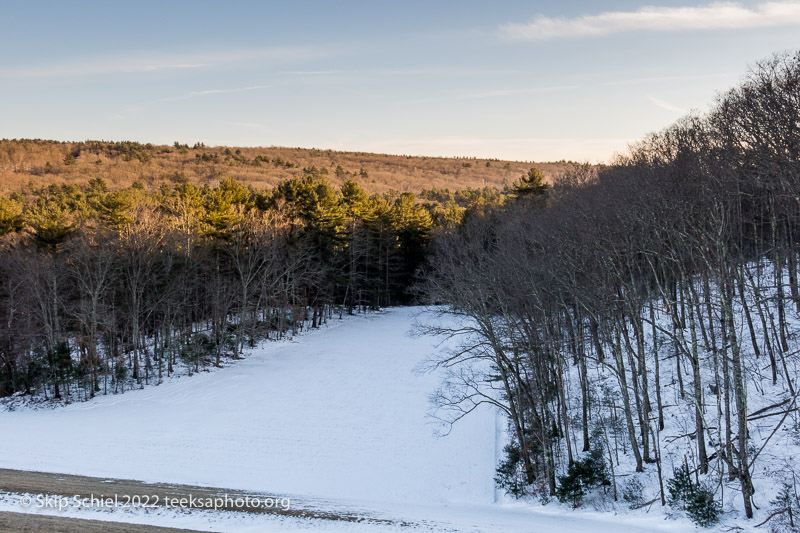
521, 80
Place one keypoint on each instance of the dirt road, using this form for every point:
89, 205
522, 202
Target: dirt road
50, 485
28, 523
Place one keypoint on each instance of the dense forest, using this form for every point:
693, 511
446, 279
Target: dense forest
643, 317
102, 290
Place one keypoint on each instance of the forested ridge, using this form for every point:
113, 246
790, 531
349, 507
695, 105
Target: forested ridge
33, 163
638, 323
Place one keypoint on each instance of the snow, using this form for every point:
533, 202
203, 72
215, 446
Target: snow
455, 519
337, 413
775, 464
336, 418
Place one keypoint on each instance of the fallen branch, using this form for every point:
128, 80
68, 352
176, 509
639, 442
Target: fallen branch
673, 438
780, 423
773, 406
773, 515
645, 504
750, 419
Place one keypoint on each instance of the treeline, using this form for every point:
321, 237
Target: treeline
673, 269
32, 163
102, 289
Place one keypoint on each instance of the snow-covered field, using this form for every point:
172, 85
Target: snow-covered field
337, 418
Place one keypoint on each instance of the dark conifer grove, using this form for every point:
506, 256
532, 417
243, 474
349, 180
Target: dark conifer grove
102, 290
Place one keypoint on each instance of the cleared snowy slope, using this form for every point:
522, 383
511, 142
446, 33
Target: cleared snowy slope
336, 419
338, 413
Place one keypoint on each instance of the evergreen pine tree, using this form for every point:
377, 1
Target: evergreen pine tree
531, 185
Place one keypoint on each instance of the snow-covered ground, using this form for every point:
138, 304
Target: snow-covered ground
337, 418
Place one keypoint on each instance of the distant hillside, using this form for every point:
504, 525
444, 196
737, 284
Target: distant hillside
41, 162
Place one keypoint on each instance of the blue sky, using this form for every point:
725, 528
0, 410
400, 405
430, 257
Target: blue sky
530, 81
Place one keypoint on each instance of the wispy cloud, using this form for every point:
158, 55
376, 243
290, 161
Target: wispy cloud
97, 66
716, 16
725, 77
206, 92
144, 62
666, 105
